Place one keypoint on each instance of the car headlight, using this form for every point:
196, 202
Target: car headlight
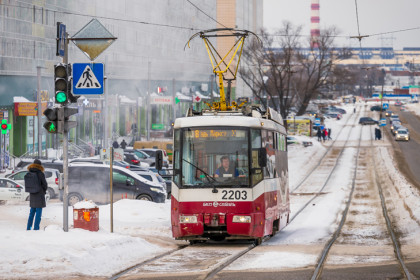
157, 190
188, 219
241, 219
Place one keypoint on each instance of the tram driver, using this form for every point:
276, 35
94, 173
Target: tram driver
225, 170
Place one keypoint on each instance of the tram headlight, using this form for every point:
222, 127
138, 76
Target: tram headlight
241, 219
188, 219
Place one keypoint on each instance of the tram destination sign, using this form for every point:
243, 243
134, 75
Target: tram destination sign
215, 133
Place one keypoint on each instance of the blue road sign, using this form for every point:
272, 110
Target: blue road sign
88, 78
61, 39
385, 106
382, 122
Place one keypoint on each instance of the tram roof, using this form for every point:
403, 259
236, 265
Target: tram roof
269, 120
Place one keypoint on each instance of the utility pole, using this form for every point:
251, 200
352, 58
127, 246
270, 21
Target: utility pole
148, 102
65, 156
105, 109
38, 97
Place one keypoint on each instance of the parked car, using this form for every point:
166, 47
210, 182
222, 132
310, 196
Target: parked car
337, 116
152, 154
142, 156
53, 164
91, 181
11, 190
337, 109
398, 103
167, 176
131, 158
375, 108
153, 177
51, 175
402, 134
367, 120
290, 140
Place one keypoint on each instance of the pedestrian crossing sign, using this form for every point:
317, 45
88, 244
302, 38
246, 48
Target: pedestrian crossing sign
88, 78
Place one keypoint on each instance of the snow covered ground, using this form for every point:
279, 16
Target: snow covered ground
141, 228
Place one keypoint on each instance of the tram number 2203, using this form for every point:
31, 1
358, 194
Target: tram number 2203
234, 195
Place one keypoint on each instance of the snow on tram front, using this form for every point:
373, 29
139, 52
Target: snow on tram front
230, 175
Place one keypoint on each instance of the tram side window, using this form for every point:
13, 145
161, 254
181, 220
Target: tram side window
256, 170
176, 157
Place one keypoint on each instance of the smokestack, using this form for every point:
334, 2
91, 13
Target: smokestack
314, 23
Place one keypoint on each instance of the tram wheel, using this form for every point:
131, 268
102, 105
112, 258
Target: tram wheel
257, 241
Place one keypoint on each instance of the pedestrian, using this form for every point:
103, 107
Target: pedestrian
319, 134
329, 133
36, 200
123, 144
354, 110
377, 131
379, 134
324, 134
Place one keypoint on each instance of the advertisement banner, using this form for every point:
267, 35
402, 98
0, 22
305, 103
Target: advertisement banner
161, 100
28, 108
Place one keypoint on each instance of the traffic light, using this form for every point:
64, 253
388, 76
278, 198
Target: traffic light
67, 113
51, 125
58, 119
62, 85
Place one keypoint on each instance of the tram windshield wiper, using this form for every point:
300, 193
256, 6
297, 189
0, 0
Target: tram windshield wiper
208, 177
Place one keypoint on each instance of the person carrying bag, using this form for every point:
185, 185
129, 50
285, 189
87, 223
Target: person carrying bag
36, 185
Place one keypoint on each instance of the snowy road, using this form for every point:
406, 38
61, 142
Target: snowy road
142, 229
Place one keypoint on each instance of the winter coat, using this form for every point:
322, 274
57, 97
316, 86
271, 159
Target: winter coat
123, 144
37, 200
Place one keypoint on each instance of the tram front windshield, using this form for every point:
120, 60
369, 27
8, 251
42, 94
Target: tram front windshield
215, 157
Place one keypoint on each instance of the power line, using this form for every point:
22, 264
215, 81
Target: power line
206, 14
103, 17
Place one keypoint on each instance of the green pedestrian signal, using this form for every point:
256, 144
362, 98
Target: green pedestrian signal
50, 126
177, 100
5, 126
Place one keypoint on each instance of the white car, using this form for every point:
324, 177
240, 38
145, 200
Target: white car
51, 175
402, 134
13, 191
152, 177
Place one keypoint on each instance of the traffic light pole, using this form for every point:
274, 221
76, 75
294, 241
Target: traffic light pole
65, 158
38, 97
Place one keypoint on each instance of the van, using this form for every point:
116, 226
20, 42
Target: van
166, 145
91, 181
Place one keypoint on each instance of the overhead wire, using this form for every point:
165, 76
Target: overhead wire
193, 28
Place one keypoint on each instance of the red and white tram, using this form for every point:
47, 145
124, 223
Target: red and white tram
249, 197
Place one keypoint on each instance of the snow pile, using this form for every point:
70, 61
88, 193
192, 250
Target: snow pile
85, 204
79, 252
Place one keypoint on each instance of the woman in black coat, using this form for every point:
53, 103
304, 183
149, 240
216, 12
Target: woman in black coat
37, 200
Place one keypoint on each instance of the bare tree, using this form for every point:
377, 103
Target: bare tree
285, 72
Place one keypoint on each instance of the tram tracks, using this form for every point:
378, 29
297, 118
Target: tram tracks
352, 200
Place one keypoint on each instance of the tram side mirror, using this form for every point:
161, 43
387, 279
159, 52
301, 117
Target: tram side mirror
159, 160
262, 157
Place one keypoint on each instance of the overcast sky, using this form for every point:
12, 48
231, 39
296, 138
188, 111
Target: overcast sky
375, 16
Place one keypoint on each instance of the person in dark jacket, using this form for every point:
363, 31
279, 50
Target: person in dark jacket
123, 144
319, 134
37, 200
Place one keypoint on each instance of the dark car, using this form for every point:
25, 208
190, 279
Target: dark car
91, 181
337, 109
144, 157
375, 108
367, 120
131, 158
53, 164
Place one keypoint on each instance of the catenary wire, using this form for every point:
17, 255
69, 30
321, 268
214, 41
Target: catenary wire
192, 28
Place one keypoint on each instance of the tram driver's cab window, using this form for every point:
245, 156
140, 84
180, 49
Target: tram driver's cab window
215, 157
